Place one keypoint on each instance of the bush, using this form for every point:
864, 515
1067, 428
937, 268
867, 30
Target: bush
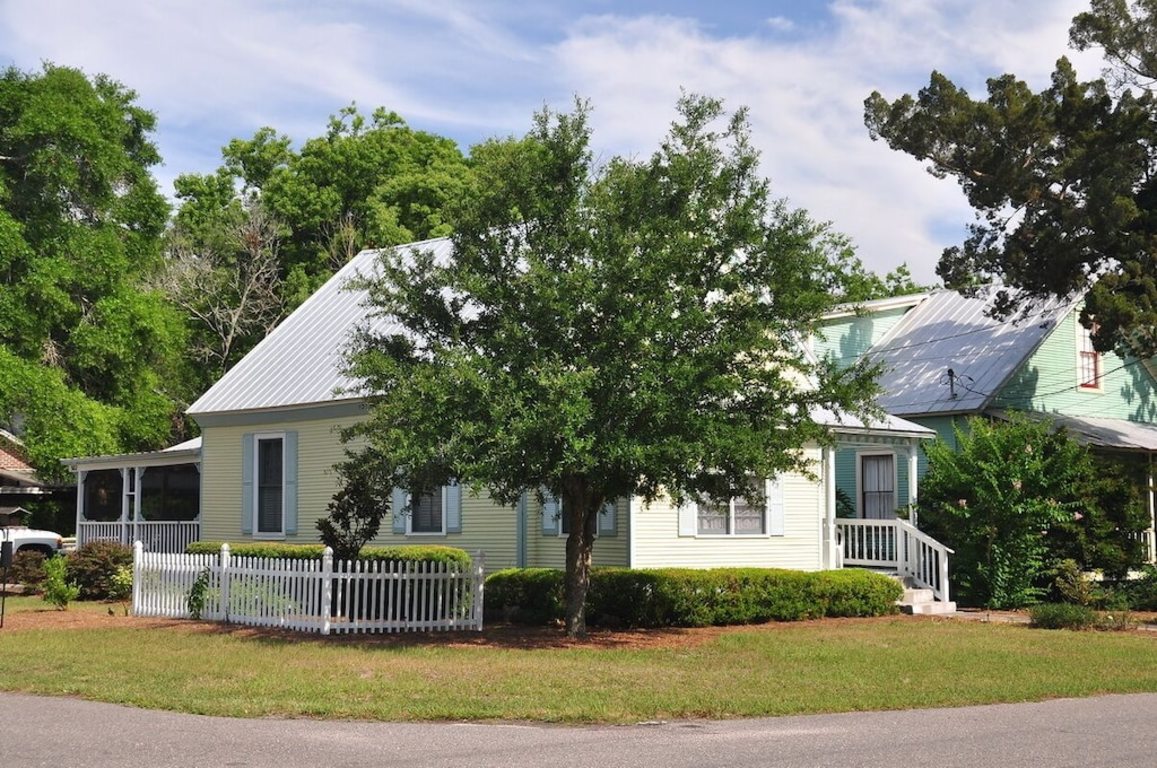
58, 590
1062, 616
692, 598
414, 553
1142, 593
28, 569
94, 565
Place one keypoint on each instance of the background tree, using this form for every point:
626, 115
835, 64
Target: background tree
80, 226
603, 332
1014, 499
1063, 181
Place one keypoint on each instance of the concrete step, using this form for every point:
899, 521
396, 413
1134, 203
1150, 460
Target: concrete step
917, 595
929, 609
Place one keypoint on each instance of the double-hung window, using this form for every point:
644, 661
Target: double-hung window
428, 512
1088, 360
736, 516
269, 487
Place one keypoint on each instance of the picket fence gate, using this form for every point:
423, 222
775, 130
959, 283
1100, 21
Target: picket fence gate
309, 595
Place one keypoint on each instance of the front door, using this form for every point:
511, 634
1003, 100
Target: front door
878, 487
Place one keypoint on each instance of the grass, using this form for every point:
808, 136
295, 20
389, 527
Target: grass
807, 668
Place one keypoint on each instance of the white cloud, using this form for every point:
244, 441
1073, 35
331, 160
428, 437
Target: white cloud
780, 23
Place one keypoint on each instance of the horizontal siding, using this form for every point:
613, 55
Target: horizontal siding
848, 471
318, 450
847, 339
1047, 382
658, 543
549, 551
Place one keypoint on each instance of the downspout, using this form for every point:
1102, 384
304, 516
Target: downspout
630, 531
520, 535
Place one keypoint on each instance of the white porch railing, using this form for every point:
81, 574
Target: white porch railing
310, 595
156, 535
899, 545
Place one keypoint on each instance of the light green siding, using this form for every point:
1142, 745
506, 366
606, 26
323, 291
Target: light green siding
1047, 382
848, 470
486, 526
944, 427
658, 543
848, 338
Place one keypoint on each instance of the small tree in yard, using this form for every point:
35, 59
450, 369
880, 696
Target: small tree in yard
603, 332
1014, 499
356, 511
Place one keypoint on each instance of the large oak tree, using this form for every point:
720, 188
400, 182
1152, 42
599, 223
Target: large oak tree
605, 331
1063, 180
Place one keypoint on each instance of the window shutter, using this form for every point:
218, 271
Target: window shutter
607, 521
550, 519
247, 484
453, 496
398, 505
775, 507
688, 518
289, 475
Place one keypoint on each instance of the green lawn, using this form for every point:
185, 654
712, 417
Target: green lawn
805, 668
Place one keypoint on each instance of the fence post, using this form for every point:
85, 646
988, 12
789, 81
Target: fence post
138, 551
326, 588
479, 590
223, 609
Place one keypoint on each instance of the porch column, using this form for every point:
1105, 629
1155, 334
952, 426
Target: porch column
1152, 532
912, 483
831, 544
125, 474
81, 474
138, 472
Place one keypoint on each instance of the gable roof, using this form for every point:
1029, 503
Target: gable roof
950, 331
300, 362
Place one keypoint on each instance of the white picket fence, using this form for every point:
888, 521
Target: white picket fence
309, 595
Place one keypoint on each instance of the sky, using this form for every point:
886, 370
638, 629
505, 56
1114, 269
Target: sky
214, 70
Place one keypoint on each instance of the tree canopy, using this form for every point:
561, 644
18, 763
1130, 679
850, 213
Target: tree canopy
604, 331
91, 358
1063, 181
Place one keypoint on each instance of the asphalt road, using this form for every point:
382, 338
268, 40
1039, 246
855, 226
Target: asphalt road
1116, 731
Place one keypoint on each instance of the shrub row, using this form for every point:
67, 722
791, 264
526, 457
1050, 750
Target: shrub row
1073, 616
274, 549
677, 597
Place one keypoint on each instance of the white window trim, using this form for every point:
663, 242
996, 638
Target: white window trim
731, 533
860, 480
410, 517
257, 533
1079, 337
560, 534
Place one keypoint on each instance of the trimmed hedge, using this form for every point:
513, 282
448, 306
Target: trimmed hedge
1062, 616
280, 550
683, 597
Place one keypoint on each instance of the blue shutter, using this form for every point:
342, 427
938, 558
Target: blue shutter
398, 504
550, 519
247, 484
775, 511
607, 525
453, 507
289, 475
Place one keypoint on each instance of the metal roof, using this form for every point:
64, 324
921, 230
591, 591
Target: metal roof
946, 331
846, 422
1099, 432
300, 362
187, 452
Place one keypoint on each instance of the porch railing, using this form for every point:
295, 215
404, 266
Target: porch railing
155, 535
896, 545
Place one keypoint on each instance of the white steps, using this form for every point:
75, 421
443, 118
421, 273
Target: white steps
920, 601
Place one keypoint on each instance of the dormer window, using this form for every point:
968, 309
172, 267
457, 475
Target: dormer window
1088, 359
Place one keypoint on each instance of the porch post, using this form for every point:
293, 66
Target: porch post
81, 474
1152, 532
124, 526
912, 484
831, 558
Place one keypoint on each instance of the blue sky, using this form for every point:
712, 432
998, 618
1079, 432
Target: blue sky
213, 70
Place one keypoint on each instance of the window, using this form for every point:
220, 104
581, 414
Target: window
270, 486
878, 486
427, 513
1088, 359
734, 517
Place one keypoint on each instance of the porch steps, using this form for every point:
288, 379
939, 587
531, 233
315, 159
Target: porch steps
921, 601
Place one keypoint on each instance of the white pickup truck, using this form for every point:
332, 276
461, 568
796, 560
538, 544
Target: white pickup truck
30, 539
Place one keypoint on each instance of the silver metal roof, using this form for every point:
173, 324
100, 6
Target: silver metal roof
946, 331
846, 422
300, 362
1100, 432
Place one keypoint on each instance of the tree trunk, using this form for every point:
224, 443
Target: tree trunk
579, 543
